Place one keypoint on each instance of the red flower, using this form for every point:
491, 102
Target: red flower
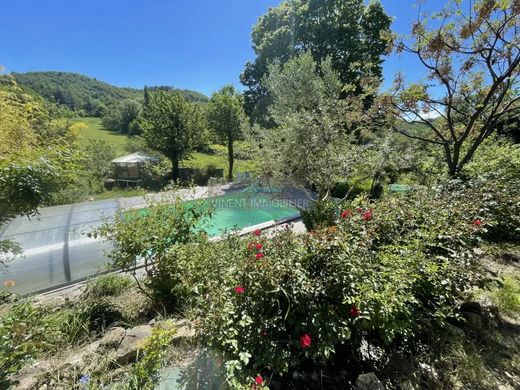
367, 215
259, 380
346, 213
354, 311
477, 222
359, 210
305, 340
239, 289
257, 232
259, 256
259, 246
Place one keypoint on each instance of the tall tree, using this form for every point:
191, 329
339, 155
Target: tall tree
352, 35
226, 118
172, 126
472, 60
311, 143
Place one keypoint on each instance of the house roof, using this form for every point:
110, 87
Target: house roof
134, 158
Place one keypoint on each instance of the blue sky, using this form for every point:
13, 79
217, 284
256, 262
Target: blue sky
195, 44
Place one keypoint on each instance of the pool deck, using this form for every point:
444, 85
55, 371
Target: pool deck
297, 196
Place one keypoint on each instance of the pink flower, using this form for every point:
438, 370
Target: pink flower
354, 311
259, 380
367, 215
345, 213
259, 246
477, 222
240, 289
257, 232
259, 256
305, 340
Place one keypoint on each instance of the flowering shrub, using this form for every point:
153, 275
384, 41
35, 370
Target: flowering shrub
493, 179
386, 272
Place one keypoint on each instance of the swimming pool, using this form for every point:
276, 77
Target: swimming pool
240, 210
236, 211
57, 250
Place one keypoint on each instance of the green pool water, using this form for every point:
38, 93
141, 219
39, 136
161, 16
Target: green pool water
241, 210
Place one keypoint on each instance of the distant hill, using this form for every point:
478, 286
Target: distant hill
84, 95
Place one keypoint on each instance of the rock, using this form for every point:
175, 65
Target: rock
432, 376
471, 307
408, 385
131, 343
473, 320
398, 363
184, 333
454, 331
478, 251
510, 257
369, 382
113, 338
29, 376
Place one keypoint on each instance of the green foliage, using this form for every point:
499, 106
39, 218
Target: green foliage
226, 118
352, 35
508, 296
310, 143
24, 187
21, 335
98, 155
173, 126
465, 97
493, 177
144, 375
84, 95
108, 285
321, 214
148, 235
123, 117
390, 272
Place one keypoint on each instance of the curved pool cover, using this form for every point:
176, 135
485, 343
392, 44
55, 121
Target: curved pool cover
57, 250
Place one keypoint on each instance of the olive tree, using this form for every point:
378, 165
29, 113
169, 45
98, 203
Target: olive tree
312, 142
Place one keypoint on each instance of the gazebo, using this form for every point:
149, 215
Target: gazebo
129, 169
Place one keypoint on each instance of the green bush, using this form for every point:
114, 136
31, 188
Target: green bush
293, 304
23, 334
493, 179
321, 214
144, 375
108, 285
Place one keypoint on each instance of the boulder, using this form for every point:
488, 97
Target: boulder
471, 307
113, 338
510, 257
454, 331
132, 343
369, 382
409, 385
398, 363
29, 376
473, 320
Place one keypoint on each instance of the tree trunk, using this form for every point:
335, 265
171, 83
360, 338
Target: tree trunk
175, 168
231, 160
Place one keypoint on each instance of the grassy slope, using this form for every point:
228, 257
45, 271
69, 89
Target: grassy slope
95, 130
